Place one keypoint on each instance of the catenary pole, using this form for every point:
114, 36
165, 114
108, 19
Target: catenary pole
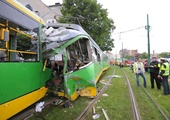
122, 53
148, 29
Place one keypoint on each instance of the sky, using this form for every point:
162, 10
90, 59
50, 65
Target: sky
130, 19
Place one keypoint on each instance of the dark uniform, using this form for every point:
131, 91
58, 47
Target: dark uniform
154, 71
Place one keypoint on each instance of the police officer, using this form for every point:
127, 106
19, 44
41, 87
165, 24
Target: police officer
163, 75
154, 71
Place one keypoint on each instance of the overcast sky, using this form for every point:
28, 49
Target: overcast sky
132, 14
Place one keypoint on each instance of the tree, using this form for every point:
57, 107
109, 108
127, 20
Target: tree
2, 44
24, 44
144, 55
92, 17
129, 57
164, 54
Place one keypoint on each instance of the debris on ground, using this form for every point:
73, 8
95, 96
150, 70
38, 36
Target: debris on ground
57, 102
104, 82
67, 104
39, 106
95, 115
98, 107
105, 95
113, 76
105, 114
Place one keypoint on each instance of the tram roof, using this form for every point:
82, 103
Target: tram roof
73, 27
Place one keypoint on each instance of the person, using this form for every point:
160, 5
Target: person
163, 75
139, 70
131, 67
154, 71
121, 65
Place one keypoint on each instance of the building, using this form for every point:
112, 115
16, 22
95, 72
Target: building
47, 13
110, 56
133, 52
57, 10
127, 52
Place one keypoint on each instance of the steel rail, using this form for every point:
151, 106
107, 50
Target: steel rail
162, 112
90, 105
155, 103
136, 113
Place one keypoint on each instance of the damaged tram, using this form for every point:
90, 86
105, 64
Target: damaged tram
76, 60
61, 57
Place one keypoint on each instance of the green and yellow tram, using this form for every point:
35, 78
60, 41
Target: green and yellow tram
34, 57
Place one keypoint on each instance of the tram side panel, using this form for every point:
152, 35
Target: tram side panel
81, 82
106, 61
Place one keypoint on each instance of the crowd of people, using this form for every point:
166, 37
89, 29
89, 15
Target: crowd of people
159, 73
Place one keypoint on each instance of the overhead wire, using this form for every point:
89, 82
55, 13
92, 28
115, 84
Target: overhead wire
126, 31
129, 30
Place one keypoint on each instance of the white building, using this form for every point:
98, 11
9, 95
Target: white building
47, 13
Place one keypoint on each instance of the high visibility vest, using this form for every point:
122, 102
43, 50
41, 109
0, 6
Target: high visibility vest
135, 67
159, 65
166, 69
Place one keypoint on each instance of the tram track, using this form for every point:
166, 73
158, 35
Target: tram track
150, 97
91, 104
136, 113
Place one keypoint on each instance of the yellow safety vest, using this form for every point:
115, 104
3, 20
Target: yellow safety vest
166, 69
135, 67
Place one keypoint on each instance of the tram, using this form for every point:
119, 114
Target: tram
22, 79
61, 58
75, 59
